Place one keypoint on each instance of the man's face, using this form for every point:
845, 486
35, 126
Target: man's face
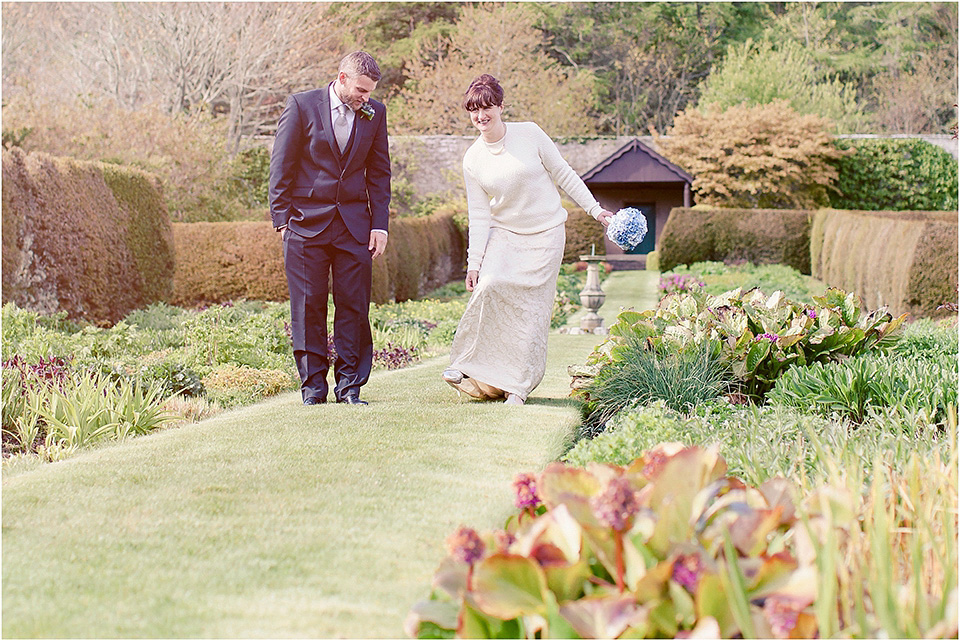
355, 91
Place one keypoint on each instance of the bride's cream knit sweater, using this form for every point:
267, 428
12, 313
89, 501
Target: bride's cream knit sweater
510, 184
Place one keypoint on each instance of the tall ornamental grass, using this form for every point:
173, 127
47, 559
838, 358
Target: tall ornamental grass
639, 374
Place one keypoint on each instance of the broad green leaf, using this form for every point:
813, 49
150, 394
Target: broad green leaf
663, 616
559, 481
781, 575
832, 297
451, 577
759, 351
567, 582
507, 586
711, 601
603, 617
850, 309
557, 626
683, 602
653, 585
443, 614
556, 527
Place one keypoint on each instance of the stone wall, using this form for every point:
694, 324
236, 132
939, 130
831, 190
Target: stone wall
432, 163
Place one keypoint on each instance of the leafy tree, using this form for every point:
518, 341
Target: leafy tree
895, 175
394, 32
764, 156
500, 40
650, 57
759, 73
901, 56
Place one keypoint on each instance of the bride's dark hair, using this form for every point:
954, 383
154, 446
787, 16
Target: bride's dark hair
484, 91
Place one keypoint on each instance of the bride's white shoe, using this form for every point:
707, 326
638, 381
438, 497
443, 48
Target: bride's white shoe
513, 399
452, 376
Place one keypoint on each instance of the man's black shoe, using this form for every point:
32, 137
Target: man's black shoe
352, 399
313, 400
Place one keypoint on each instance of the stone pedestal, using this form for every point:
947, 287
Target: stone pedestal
591, 296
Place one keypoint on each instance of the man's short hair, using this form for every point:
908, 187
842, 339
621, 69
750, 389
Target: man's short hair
360, 63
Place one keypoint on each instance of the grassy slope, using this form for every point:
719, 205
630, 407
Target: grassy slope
277, 520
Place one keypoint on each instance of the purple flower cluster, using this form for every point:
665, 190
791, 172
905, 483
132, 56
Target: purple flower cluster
687, 570
465, 545
679, 283
773, 338
525, 486
394, 356
503, 539
391, 357
52, 372
812, 313
616, 505
782, 614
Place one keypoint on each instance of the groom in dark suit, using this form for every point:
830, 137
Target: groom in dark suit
329, 197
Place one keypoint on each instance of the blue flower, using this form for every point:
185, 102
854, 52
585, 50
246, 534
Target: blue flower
627, 228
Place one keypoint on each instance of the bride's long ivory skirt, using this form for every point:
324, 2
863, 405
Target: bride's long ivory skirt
501, 341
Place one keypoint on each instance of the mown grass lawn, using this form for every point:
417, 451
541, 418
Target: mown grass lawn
277, 520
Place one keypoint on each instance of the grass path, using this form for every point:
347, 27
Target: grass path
278, 520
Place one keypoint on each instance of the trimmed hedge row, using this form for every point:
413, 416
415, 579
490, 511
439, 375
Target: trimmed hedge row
583, 234
905, 260
759, 236
422, 254
87, 238
218, 262
906, 174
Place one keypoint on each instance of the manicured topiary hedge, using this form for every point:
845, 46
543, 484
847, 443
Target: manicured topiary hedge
906, 174
87, 238
218, 262
906, 260
759, 236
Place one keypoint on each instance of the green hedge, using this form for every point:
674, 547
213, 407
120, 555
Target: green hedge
87, 238
583, 234
219, 262
758, 236
895, 175
906, 260
422, 254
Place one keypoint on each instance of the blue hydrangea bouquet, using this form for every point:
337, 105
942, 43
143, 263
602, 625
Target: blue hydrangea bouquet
627, 228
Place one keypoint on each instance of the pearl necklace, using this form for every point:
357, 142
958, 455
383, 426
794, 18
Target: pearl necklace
496, 148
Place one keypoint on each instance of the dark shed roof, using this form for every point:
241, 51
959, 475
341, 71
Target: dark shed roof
635, 162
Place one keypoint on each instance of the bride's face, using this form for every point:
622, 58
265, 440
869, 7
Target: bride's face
487, 119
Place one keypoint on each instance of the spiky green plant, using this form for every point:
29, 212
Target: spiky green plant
640, 374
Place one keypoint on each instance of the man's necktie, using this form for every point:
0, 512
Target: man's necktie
341, 127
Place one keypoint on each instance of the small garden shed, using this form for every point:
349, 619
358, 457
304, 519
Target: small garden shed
637, 176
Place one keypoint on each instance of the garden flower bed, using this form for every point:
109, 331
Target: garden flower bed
748, 466
69, 385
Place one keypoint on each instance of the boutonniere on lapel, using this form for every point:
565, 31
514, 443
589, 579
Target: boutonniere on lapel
367, 111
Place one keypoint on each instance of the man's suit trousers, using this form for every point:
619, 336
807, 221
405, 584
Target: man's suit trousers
308, 263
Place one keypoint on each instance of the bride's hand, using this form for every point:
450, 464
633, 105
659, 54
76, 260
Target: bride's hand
471, 280
604, 217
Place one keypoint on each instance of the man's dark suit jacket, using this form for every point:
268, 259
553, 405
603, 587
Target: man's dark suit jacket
309, 181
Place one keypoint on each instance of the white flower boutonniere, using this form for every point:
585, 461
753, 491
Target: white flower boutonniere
367, 111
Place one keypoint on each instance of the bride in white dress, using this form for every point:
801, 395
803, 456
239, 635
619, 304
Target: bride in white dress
515, 246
